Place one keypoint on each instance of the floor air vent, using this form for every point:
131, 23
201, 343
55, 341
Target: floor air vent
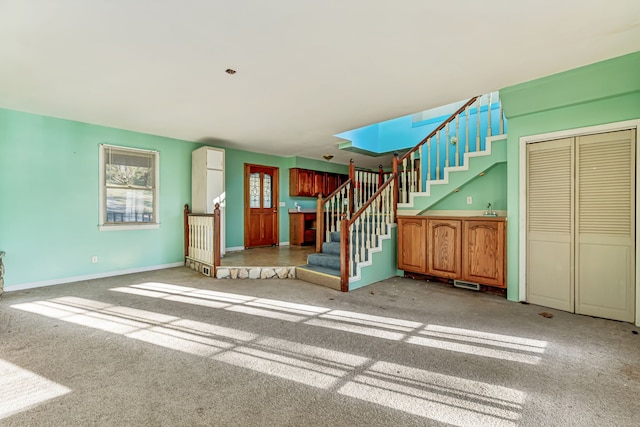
466, 285
206, 271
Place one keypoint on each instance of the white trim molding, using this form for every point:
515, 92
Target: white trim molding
522, 220
72, 279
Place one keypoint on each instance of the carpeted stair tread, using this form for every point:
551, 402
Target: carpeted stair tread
332, 248
325, 260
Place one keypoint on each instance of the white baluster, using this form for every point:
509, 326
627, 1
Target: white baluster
356, 233
420, 173
428, 171
404, 180
488, 118
466, 125
351, 249
363, 239
457, 140
412, 185
437, 155
478, 108
446, 144
391, 204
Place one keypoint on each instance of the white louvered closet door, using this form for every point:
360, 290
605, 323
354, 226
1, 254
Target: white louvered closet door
581, 224
549, 224
605, 225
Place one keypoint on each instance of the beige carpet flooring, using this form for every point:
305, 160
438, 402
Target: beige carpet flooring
174, 348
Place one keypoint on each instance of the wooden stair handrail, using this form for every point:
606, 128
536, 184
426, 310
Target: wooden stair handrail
439, 128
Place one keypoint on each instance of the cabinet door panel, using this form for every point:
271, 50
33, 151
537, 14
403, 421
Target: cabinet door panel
300, 182
332, 183
443, 247
319, 183
412, 245
483, 251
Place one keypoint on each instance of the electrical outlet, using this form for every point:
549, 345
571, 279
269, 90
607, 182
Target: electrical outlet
469, 200
94, 259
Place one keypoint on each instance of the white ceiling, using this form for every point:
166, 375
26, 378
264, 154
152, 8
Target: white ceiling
306, 70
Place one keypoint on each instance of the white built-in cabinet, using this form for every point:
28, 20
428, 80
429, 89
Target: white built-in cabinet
207, 184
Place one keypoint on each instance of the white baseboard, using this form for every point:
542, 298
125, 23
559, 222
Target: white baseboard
63, 280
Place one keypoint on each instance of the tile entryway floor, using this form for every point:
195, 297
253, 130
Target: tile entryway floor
289, 256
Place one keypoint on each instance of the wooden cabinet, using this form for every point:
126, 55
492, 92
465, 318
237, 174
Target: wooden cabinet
483, 250
309, 183
302, 228
301, 182
459, 248
412, 244
444, 240
332, 183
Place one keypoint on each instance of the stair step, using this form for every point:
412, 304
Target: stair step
325, 260
319, 275
332, 248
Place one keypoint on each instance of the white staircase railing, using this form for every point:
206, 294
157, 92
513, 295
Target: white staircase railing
345, 200
362, 231
202, 237
463, 132
363, 208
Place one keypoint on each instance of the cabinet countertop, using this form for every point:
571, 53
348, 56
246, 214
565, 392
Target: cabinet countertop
294, 211
470, 217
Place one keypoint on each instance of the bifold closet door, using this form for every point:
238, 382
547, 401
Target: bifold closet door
549, 224
605, 225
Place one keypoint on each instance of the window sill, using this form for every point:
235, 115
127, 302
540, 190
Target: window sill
122, 227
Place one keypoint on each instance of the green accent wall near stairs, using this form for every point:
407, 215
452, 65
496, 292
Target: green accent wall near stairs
490, 188
457, 179
604, 92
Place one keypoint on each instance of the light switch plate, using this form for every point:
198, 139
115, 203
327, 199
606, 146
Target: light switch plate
283, 204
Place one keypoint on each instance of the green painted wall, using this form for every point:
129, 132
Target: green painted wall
600, 93
234, 176
489, 188
49, 200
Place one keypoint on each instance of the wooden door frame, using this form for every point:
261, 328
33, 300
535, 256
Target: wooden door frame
522, 220
275, 198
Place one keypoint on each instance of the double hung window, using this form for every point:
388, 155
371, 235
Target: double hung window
129, 188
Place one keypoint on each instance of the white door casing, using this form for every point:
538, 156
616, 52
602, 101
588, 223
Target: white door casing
619, 254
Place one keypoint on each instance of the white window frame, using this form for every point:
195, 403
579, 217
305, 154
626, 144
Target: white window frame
104, 226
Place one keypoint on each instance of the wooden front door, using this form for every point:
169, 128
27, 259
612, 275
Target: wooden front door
260, 205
